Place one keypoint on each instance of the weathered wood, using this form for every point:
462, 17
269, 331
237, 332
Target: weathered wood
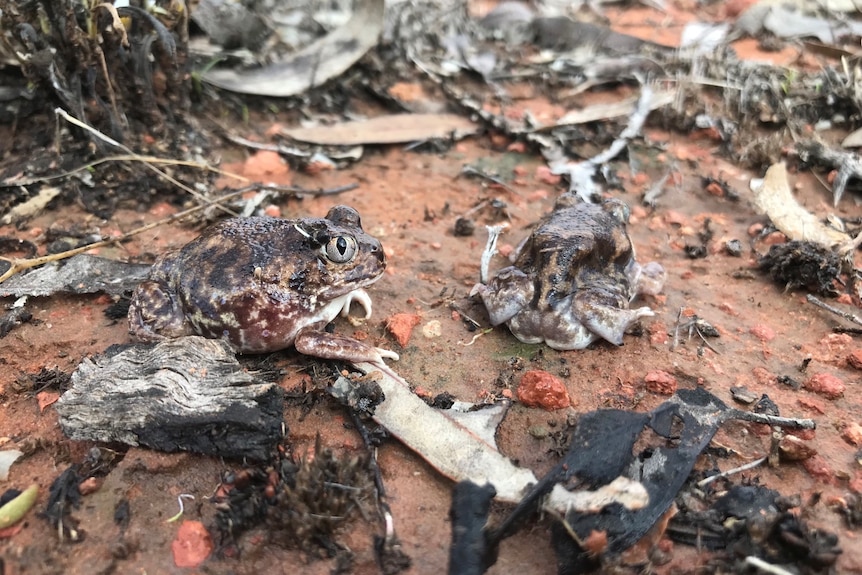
186, 394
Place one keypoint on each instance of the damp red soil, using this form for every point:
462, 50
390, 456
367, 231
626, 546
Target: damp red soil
410, 201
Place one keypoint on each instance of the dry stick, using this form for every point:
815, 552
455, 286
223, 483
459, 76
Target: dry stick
10, 183
848, 316
84, 126
789, 422
19, 265
740, 469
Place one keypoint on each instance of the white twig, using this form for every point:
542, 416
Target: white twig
729, 472
490, 250
762, 565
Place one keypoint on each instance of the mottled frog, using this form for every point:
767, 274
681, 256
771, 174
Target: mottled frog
573, 278
265, 284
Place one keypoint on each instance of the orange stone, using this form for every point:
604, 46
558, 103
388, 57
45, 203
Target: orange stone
541, 389
659, 381
401, 326
825, 384
192, 545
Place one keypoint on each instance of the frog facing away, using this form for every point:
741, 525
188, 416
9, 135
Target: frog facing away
265, 284
573, 278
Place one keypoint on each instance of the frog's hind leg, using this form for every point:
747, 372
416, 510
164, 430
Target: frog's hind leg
608, 321
155, 314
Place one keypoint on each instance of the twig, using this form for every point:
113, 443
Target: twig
381, 499
490, 250
278, 148
656, 190
762, 565
19, 265
789, 422
75, 121
729, 472
848, 316
11, 182
471, 171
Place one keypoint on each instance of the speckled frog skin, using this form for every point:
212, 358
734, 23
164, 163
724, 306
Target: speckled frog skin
573, 278
264, 284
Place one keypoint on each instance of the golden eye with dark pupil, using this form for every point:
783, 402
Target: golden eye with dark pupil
341, 249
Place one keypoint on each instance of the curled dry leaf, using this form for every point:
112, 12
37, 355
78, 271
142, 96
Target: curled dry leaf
775, 199
312, 66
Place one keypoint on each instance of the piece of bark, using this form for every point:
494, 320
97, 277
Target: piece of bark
83, 273
187, 394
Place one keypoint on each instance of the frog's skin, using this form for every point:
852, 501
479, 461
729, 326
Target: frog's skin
265, 284
573, 278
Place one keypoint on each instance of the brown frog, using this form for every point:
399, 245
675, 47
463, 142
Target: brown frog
573, 278
265, 284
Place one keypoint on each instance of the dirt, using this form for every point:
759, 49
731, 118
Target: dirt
410, 201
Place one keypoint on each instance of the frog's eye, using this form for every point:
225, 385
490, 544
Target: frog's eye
340, 249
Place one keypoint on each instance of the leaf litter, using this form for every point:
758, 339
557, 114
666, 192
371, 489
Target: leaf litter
471, 70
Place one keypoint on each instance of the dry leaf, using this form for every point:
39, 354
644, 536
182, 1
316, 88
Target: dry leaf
775, 199
394, 129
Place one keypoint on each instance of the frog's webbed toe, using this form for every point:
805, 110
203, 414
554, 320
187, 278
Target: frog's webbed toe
607, 321
155, 314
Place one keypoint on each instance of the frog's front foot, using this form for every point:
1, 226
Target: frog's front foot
359, 296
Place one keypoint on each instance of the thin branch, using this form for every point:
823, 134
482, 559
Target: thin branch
848, 316
729, 472
19, 265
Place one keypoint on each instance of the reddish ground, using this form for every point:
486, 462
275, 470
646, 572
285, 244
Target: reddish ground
411, 201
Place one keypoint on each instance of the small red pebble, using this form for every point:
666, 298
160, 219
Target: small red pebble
518, 170
727, 308
762, 332
265, 163
596, 543
818, 469
812, 404
855, 359
825, 384
764, 376
401, 326
272, 211
89, 485
541, 389
755, 229
658, 381
715, 189
517, 147
192, 545
546, 176
775, 238
640, 179
658, 333
852, 434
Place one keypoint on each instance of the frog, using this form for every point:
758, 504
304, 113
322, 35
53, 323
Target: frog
265, 284
573, 278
